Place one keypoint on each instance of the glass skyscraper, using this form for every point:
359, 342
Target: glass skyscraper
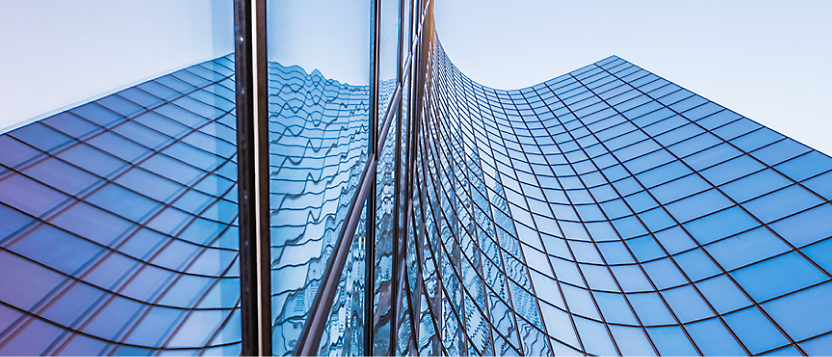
367, 198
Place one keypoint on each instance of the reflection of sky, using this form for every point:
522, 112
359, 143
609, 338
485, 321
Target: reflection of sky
330, 36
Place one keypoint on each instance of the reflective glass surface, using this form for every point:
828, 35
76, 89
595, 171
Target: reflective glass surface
118, 223
607, 211
610, 212
319, 115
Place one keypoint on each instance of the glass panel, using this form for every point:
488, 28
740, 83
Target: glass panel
319, 72
119, 215
344, 332
383, 264
388, 55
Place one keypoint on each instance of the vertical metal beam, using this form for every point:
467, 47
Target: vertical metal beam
253, 175
369, 277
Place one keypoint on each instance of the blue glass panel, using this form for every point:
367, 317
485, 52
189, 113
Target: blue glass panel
29, 196
57, 249
755, 330
778, 276
746, 248
821, 185
697, 206
12, 220
806, 227
645, 248
731, 170
664, 273
781, 203
686, 304
15, 152
821, 254
632, 341
818, 346
92, 160
60, 175
720, 225
675, 240
671, 341
723, 294
713, 338
755, 185
71, 125
778, 152
41, 136
31, 282
803, 314
696, 265
650, 309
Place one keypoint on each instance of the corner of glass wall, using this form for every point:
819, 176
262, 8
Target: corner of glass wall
118, 172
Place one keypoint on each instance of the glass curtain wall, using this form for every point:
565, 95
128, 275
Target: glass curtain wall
319, 131
119, 215
335, 92
315, 177
609, 211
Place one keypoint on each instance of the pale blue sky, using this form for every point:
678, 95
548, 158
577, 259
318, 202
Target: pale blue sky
768, 60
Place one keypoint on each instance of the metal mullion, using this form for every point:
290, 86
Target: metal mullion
251, 77
393, 114
373, 148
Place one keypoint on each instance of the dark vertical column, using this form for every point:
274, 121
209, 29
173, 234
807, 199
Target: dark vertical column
398, 200
370, 246
253, 168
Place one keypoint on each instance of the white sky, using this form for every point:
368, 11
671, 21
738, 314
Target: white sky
768, 60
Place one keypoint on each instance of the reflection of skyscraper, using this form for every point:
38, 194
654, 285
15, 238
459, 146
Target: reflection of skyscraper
606, 212
118, 222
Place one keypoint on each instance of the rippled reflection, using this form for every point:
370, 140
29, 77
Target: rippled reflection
318, 134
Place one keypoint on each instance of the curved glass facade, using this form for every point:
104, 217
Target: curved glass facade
609, 211
338, 187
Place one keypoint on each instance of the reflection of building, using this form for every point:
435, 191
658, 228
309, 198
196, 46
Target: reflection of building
606, 212
118, 222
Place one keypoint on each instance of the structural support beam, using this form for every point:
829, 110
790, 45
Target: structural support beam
253, 175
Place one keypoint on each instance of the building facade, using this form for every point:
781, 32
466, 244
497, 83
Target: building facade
261, 205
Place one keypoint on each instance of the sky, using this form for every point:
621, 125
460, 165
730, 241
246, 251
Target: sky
770, 61
59, 54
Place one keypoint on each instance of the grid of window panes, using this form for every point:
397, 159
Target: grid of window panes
118, 230
611, 212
